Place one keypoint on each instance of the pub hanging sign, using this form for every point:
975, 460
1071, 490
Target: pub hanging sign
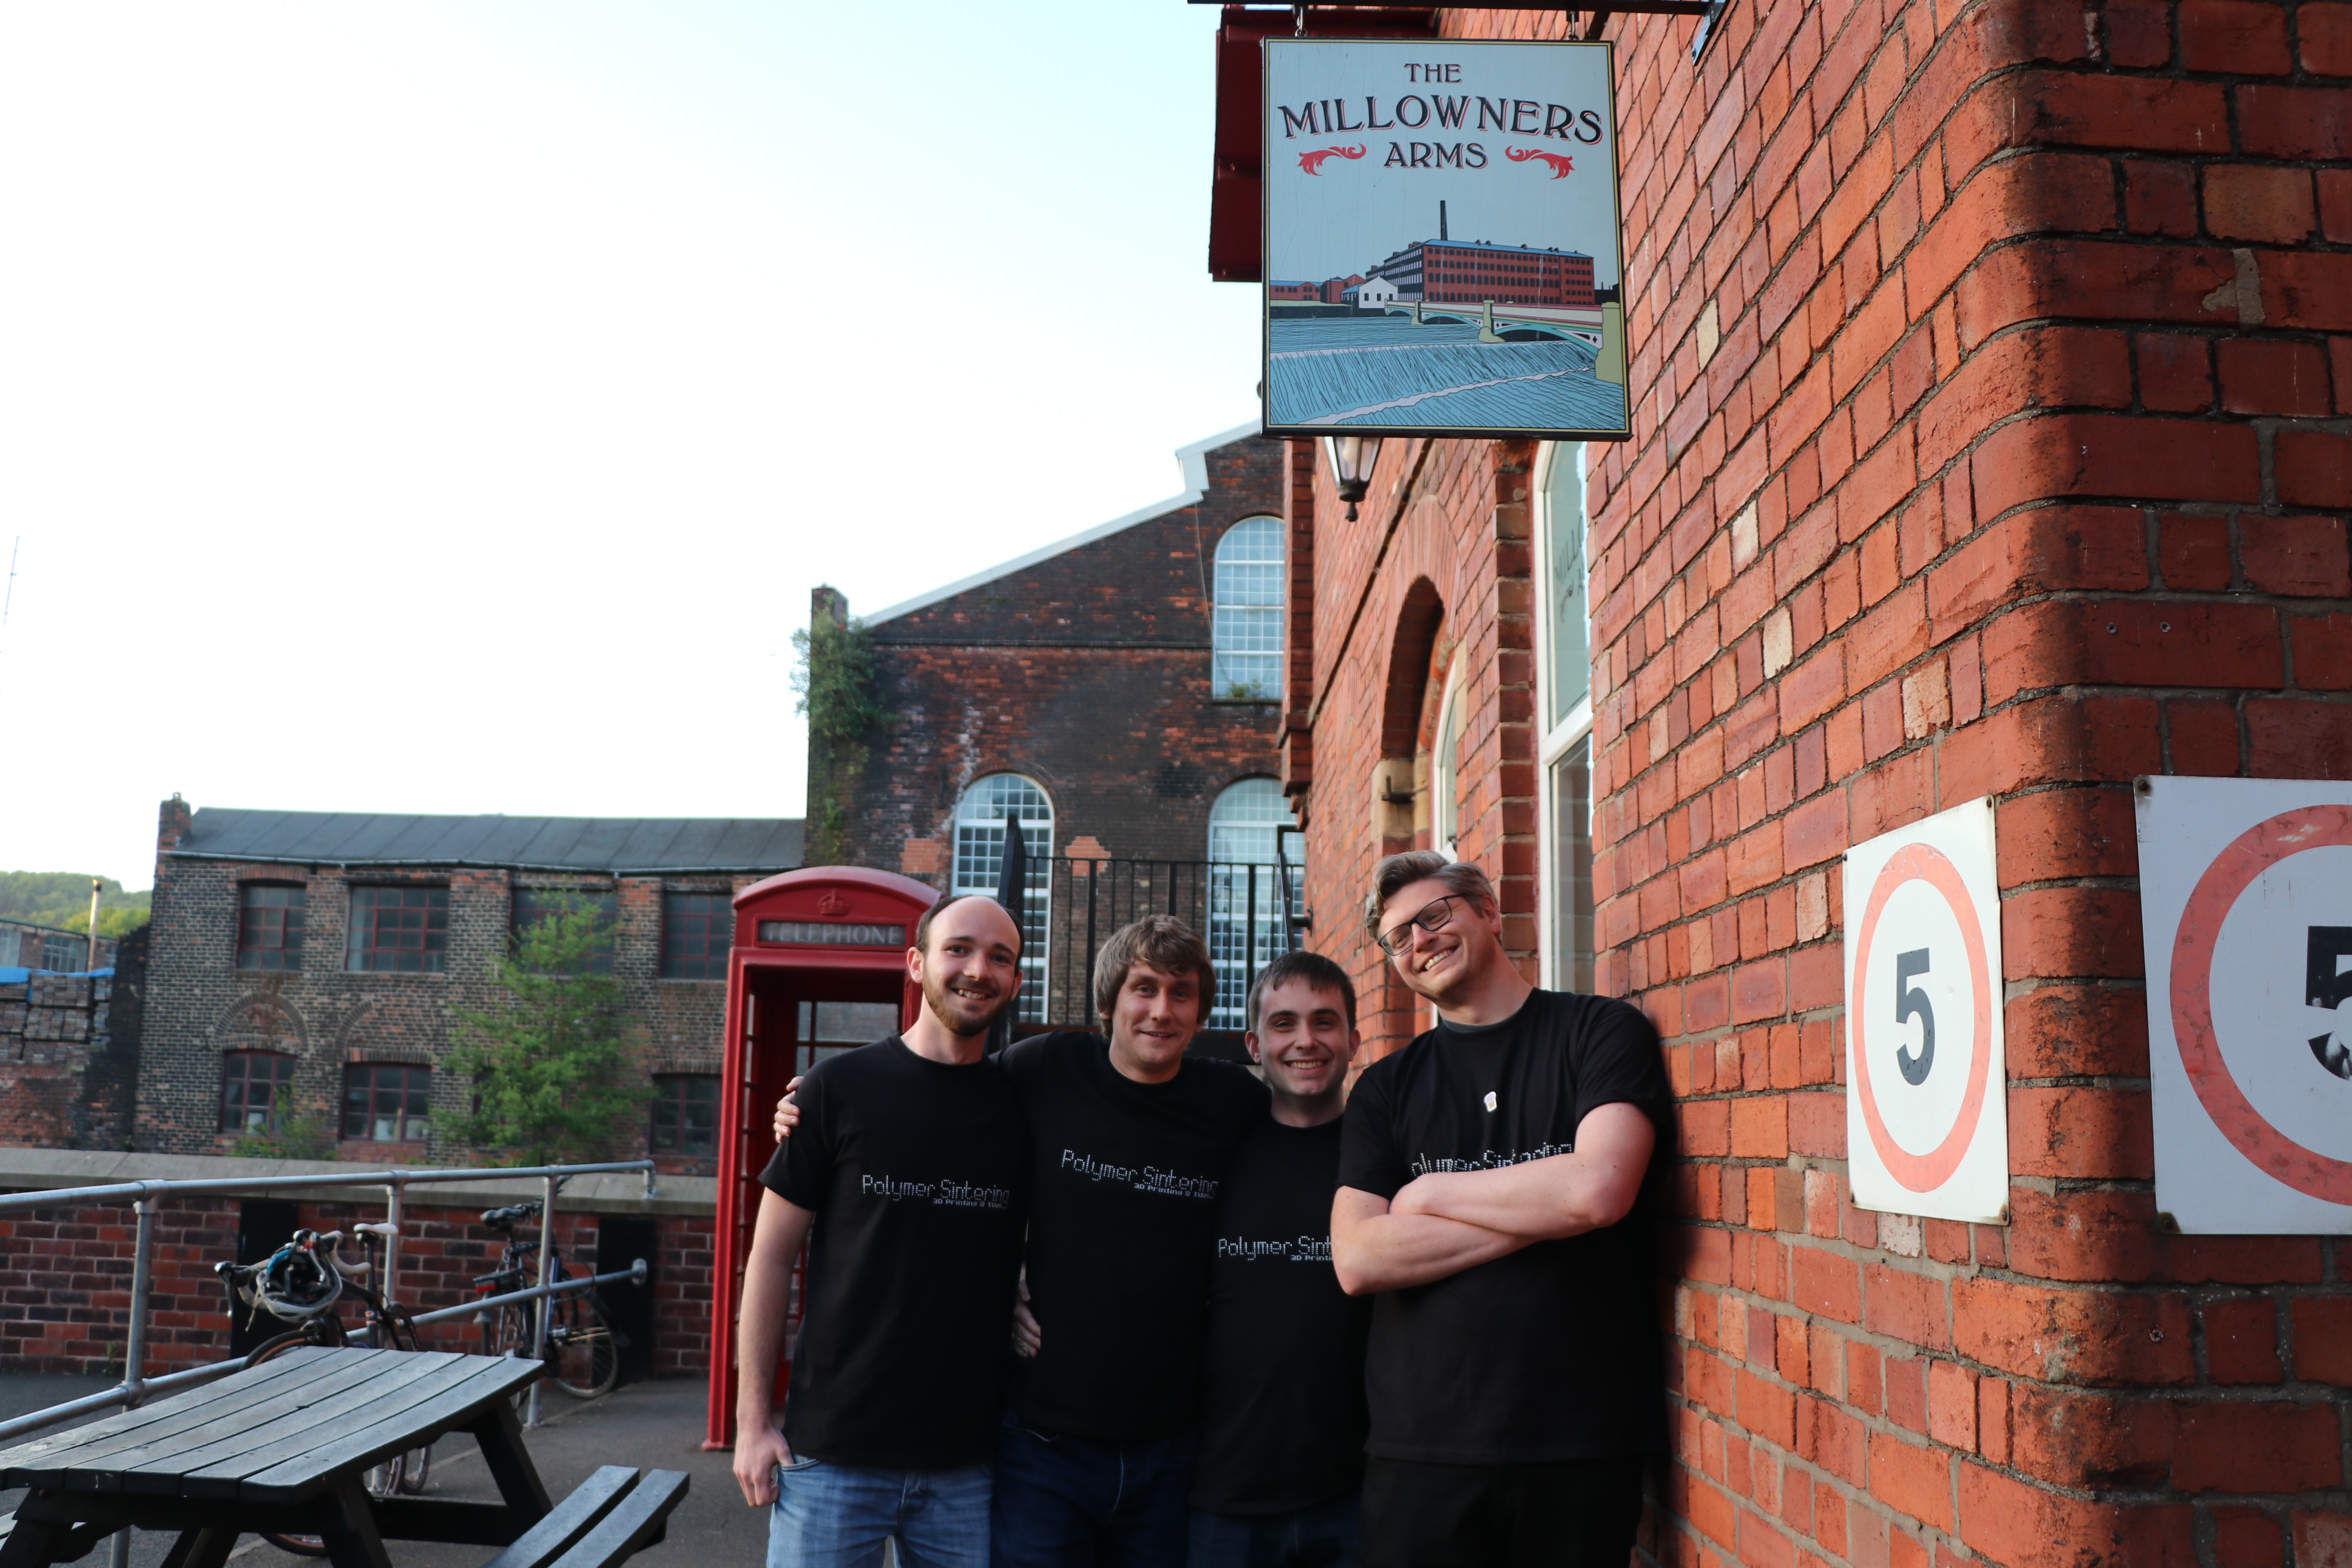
1443, 245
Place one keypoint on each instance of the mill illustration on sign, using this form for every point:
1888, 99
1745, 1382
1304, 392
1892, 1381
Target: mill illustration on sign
1442, 243
2246, 921
1926, 1104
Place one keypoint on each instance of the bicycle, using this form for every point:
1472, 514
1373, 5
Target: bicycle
582, 1347
300, 1283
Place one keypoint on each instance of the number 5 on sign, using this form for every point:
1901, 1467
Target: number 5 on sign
1926, 1084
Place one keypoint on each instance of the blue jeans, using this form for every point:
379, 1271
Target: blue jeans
1074, 1502
837, 1516
1323, 1536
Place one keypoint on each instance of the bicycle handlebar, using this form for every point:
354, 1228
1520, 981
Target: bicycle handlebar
508, 1217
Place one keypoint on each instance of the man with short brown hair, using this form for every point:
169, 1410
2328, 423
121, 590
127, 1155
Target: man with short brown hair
1496, 1184
1130, 1141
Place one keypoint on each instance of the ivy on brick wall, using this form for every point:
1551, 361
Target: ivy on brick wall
834, 677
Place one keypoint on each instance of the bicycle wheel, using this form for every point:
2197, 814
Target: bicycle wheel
270, 1350
581, 1345
507, 1331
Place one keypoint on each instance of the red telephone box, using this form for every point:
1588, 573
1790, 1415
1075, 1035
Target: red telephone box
819, 965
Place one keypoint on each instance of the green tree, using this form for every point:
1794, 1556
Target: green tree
61, 899
306, 1137
552, 1080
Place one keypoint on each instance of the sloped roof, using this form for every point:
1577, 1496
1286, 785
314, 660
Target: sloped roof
612, 844
1192, 466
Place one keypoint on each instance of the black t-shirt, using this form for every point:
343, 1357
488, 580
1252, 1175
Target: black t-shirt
916, 1172
1283, 1419
1551, 1353
1123, 1221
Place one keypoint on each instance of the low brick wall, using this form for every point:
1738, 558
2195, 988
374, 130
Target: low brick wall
65, 1270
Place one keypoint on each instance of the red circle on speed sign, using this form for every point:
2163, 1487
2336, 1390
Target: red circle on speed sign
2248, 855
1925, 1173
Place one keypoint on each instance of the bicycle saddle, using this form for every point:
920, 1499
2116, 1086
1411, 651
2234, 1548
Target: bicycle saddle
501, 1219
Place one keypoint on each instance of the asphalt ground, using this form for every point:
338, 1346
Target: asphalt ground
653, 1426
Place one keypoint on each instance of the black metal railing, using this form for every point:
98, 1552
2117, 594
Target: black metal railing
1247, 912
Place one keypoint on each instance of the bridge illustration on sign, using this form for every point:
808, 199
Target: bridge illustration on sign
1474, 334
2327, 983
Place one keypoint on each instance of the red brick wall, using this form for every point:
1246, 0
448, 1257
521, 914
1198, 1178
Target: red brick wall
65, 1281
1989, 438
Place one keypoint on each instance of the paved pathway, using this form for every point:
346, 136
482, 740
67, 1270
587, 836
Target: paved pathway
655, 1425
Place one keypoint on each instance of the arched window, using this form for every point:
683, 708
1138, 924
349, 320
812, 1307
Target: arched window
980, 818
1257, 880
1245, 634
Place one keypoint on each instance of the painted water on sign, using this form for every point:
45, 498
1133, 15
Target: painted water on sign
1376, 370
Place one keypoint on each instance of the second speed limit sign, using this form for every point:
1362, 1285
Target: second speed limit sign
1926, 1123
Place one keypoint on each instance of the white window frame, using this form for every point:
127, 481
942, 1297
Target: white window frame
1235, 957
1445, 770
1218, 653
1036, 974
1559, 739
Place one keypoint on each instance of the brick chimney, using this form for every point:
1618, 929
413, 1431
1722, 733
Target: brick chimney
172, 824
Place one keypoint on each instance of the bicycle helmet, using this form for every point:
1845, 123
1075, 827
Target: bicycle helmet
296, 1284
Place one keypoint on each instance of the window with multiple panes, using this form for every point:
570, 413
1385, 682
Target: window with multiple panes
386, 1102
1255, 845
398, 930
1564, 669
269, 926
257, 1090
980, 819
534, 905
697, 930
1245, 623
686, 1113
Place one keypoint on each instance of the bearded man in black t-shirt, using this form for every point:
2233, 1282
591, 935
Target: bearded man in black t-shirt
1497, 1185
1130, 1140
913, 1152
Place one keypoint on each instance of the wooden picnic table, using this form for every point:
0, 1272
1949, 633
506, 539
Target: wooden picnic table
281, 1447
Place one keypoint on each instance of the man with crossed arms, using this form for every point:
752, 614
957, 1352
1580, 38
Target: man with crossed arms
1496, 1183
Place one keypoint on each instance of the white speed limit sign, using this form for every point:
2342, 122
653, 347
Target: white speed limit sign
1925, 1090
2245, 903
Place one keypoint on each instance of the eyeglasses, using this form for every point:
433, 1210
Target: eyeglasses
1433, 917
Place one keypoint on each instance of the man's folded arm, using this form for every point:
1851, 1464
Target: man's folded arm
1546, 1199
1375, 1249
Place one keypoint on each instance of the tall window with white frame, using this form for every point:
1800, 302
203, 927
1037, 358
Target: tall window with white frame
1256, 883
981, 816
1245, 623
1445, 767
1564, 675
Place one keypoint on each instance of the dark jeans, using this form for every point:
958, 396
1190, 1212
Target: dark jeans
1561, 1513
1073, 1502
1323, 1536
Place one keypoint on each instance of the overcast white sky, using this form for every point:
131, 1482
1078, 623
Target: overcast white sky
447, 407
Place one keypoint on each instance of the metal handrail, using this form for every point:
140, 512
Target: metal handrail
212, 1186
142, 1195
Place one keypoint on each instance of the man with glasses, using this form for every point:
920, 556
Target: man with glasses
1496, 1193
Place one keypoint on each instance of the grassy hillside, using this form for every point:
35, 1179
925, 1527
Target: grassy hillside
61, 899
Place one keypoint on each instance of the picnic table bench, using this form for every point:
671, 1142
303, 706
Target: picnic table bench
283, 1446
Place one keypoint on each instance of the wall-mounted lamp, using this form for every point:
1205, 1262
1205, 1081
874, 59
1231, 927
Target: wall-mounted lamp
1353, 458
